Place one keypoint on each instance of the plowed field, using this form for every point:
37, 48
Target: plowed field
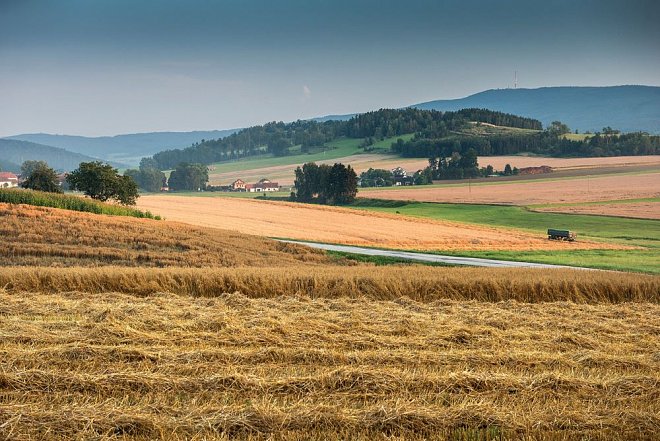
586, 189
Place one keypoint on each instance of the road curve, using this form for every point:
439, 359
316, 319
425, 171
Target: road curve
425, 257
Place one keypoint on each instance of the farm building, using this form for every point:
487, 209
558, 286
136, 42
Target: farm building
238, 185
401, 177
262, 185
8, 180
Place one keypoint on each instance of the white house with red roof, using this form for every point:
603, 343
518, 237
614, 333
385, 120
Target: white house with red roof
262, 185
8, 180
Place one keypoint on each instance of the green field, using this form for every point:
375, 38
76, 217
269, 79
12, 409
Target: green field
634, 232
335, 149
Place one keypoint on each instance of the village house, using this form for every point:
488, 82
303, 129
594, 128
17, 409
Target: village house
8, 180
262, 185
401, 177
238, 185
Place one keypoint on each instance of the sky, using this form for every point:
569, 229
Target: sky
106, 67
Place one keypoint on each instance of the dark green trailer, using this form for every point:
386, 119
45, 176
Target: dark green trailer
561, 235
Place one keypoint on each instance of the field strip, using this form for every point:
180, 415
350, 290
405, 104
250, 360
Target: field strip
433, 258
348, 226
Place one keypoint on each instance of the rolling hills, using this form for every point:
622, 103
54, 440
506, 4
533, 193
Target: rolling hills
128, 148
14, 152
627, 108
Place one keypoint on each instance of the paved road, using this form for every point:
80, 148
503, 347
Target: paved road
423, 257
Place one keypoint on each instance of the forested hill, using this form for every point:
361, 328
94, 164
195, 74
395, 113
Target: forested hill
127, 148
277, 137
627, 108
13, 153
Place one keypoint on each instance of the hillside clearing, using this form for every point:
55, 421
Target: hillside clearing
346, 226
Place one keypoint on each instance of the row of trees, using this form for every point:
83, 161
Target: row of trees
325, 184
278, 137
551, 142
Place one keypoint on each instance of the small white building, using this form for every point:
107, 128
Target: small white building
8, 180
262, 185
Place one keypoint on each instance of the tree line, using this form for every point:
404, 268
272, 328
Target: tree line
325, 184
278, 137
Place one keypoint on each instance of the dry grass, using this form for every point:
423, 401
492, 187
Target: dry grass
348, 226
99, 366
419, 283
595, 188
48, 236
640, 210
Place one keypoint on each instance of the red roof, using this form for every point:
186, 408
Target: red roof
8, 176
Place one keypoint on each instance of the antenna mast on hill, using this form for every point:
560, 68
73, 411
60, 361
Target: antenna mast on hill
515, 79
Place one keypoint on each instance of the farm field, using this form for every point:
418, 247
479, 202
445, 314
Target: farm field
244, 338
282, 169
649, 209
542, 191
347, 226
232, 366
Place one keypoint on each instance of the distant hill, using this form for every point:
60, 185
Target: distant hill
15, 152
627, 108
127, 149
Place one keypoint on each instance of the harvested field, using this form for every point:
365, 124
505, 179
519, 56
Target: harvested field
284, 174
50, 236
94, 366
595, 188
346, 226
641, 210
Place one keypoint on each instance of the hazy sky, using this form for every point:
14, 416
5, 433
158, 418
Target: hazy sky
103, 67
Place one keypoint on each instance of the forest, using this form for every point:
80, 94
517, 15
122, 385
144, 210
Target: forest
436, 134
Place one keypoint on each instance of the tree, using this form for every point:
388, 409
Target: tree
192, 177
40, 177
30, 166
507, 170
102, 182
557, 128
148, 179
324, 184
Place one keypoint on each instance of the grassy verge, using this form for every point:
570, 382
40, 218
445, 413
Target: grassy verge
379, 260
69, 202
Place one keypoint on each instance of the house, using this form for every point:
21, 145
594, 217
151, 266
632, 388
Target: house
262, 185
238, 185
401, 177
8, 180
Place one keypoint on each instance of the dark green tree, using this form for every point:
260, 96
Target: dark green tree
102, 182
190, 177
507, 170
41, 178
29, 166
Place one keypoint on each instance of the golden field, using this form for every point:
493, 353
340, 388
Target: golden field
640, 210
584, 189
239, 337
346, 226
77, 365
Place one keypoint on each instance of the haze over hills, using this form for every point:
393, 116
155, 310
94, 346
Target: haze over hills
14, 152
627, 108
126, 149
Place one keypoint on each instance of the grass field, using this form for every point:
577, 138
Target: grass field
637, 232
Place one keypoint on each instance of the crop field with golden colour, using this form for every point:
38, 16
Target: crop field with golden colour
347, 226
242, 338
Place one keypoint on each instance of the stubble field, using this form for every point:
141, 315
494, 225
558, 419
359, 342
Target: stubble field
242, 338
347, 226
640, 210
